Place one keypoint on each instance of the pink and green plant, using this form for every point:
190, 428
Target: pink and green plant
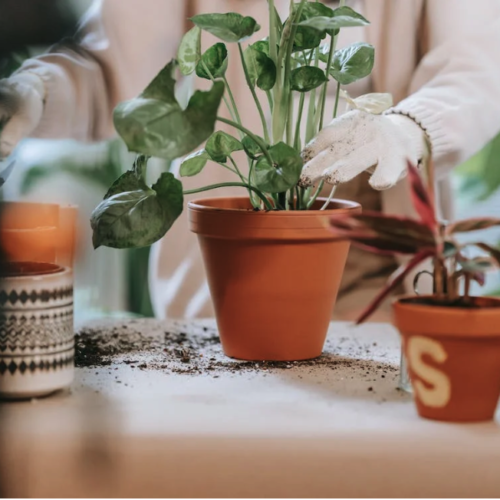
420, 239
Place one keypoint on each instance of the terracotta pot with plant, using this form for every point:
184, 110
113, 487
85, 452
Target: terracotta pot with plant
273, 266
451, 339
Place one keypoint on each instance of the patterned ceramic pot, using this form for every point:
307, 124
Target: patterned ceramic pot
36, 329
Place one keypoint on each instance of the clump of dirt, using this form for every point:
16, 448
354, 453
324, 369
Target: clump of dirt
195, 349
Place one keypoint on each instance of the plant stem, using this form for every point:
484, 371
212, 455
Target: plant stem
291, 199
333, 41
236, 168
329, 199
315, 195
331, 52
337, 96
242, 178
232, 184
231, 97
270, 100
439, 278
227, 167
289, 121
283, 69
311, 111
255, 138
234, 115
311, 55
254, 94
304, 196
297, 143
298, 202
440, 271
282, 200
272, 32
250, 170
467, 287
289, 48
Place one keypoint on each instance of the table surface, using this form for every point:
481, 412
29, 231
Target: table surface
150, 424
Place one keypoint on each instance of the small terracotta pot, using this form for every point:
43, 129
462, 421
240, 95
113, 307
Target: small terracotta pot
38, 232
273, 276
453, 357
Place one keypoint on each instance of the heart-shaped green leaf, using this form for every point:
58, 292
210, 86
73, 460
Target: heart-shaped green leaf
261, 68
315, 9
134, 215
194, 163
189, 51
307, 78
353, 63
229, 27
162, 86
213, 62
252, 149
220, 145
343, 17
306, 37
283, 174
156, 125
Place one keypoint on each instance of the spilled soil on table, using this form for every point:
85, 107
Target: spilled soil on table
149, 345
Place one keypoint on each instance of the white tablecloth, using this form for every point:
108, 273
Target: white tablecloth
333, 430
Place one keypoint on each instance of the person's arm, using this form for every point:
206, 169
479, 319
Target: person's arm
124, 43
454, 98
455, 91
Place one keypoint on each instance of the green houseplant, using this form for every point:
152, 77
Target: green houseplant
268, 304
451, 340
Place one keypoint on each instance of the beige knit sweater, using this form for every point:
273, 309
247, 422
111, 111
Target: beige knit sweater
439, 58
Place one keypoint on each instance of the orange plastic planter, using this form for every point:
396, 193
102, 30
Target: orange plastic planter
453, 357
273, 276
38, 232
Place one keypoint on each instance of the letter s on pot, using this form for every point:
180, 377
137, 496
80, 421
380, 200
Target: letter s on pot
438, 395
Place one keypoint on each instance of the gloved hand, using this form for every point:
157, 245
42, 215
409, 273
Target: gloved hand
21, 107
359, 141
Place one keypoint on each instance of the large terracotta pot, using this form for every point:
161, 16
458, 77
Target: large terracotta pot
273, 276
453, 357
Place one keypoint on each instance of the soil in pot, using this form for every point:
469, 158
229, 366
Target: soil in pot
453, 356
273, 276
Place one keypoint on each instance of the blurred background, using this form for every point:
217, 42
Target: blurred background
107, 282
66, 171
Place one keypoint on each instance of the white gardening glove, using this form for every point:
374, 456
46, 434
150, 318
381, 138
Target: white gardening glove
359, 141
21, 107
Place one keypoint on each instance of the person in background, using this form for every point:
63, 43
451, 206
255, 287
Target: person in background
440, 59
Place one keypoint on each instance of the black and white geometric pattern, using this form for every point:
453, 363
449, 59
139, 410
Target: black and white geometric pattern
36, 329
31, 365
23, 297
36, 332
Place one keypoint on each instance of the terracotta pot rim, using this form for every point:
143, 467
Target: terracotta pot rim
406, 301
242, 223
443, 321
203, 205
